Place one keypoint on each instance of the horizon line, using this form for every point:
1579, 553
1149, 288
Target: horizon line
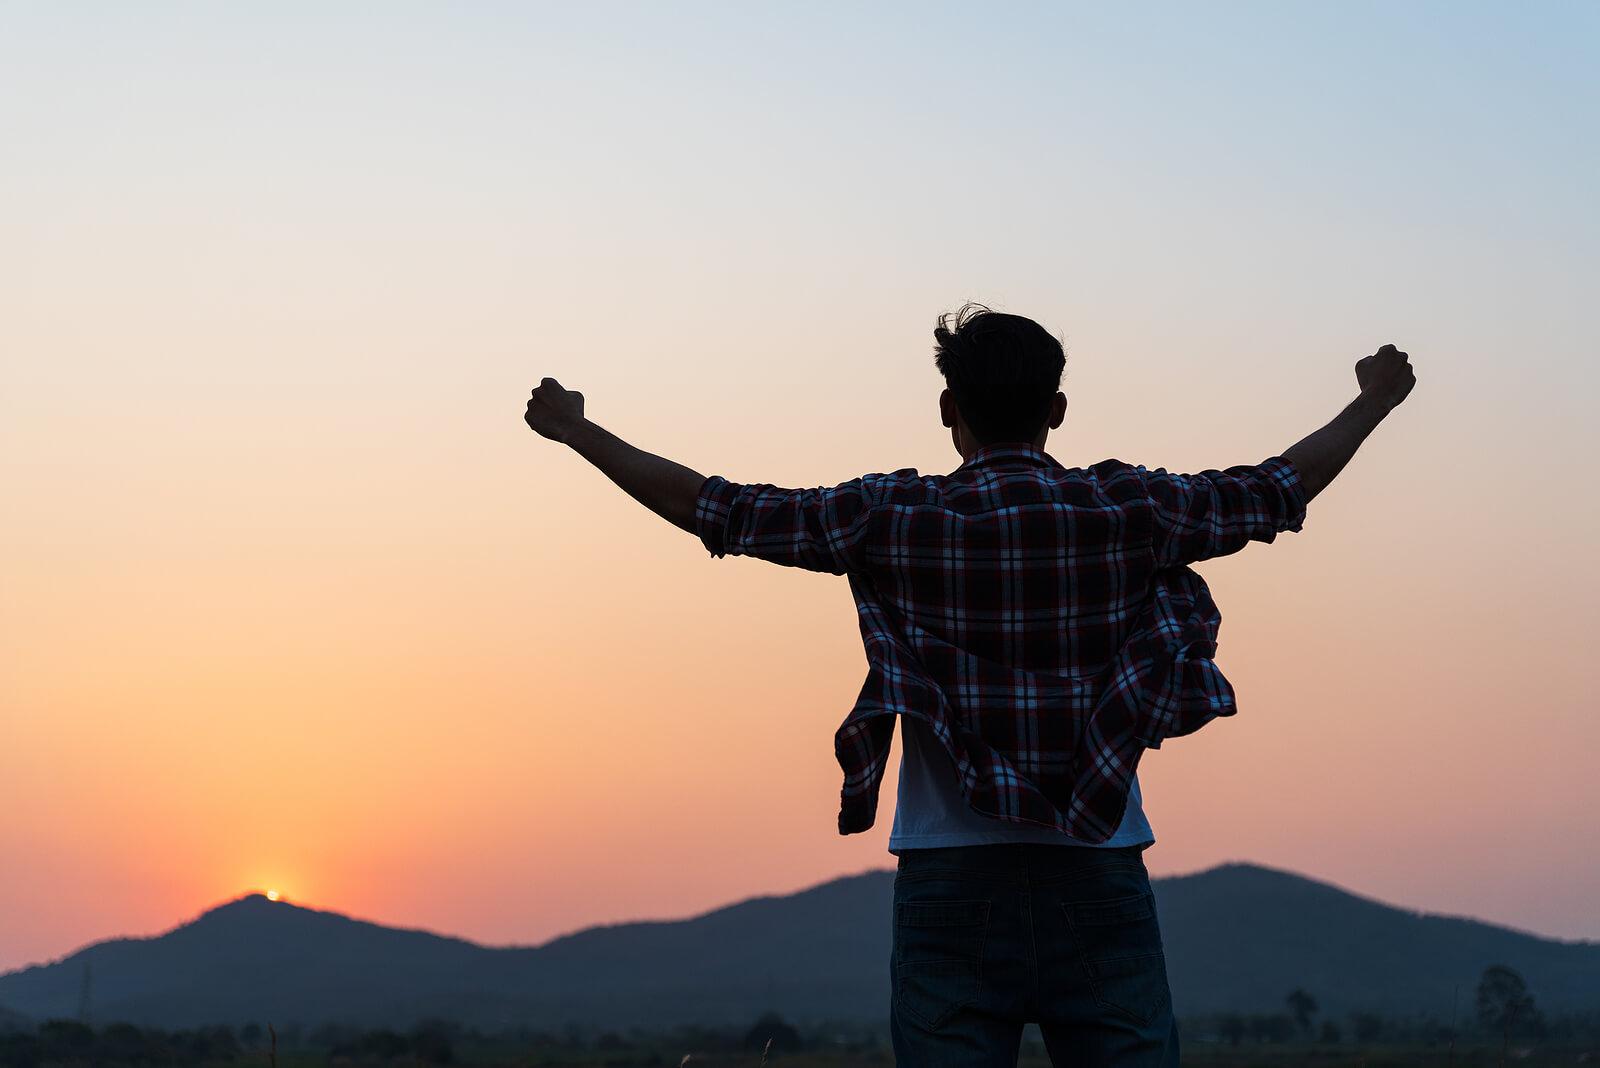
284, 900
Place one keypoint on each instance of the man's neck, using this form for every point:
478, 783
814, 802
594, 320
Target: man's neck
970, 447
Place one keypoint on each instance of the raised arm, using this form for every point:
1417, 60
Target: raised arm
668, 489
1385, 378
818, 529
1215, 513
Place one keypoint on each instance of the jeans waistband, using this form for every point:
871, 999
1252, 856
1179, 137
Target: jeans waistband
1005, 858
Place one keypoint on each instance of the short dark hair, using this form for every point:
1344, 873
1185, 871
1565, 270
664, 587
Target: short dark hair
1003, 370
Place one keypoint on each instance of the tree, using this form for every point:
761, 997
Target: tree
1273, 1027
1366, 1026
1504, 1004
433, 1041
123, 1043
1302, 1006
1232, 1027
65, 1040
773, 1029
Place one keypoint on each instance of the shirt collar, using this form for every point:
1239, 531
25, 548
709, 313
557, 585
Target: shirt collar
1010, 452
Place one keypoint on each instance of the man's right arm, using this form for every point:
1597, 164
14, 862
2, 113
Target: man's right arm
1385, 379
1215, 513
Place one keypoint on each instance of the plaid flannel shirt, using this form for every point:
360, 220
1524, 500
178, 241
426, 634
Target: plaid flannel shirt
1041, 620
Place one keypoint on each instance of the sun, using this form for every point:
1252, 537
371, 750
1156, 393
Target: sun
272, 895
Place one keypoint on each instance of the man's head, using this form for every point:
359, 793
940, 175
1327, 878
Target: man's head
1002, 375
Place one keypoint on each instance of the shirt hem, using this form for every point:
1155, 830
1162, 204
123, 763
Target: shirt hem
943, 841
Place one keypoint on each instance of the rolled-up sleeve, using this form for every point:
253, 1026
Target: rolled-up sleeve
820, 529
1215, 513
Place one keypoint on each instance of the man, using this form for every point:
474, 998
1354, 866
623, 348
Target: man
1033, 628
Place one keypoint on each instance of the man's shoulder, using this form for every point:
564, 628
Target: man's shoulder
909, 485
905, 484
1106, 470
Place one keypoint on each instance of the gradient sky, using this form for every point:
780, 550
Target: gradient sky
292, 598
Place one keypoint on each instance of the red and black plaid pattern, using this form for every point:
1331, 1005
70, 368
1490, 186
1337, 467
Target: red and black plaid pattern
1042, 620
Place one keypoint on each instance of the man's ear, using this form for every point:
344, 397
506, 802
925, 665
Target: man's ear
1058, 410
948, 412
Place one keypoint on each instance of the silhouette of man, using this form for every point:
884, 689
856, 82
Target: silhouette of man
1034, 628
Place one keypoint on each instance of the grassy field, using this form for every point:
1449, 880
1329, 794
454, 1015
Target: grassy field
1266, 1057
65, 1044
1206, 1057
1380, 1057
1209, 1056
1263, 1057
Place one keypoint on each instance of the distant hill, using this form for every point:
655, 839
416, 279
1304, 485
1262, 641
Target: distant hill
1239, 937
12, 1021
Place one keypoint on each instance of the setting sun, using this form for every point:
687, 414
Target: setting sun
272, 895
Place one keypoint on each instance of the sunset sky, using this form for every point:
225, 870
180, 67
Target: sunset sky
290, 597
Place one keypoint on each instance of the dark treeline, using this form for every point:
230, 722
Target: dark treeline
1365, 1028
1300, 1026
1500, 1008
69, 1042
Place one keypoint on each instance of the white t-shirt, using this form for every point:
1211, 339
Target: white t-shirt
930, 812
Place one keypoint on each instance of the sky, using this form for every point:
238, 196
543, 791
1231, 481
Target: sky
293, 599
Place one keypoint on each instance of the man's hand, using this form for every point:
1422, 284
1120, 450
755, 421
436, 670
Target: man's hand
668, 489
554, 412
1386, 377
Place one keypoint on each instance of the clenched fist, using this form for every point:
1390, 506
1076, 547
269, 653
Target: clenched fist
1386, 376
554, 412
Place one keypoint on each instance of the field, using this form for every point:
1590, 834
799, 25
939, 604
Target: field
64, 1043
1209, 1056
1375, 1057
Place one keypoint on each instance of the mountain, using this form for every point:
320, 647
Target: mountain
12, 1021
254, 959
1238, 937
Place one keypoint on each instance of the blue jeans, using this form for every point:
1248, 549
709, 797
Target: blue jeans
989, 938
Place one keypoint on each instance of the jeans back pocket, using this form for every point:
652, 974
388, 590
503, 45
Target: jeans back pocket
1120, 942
938, 957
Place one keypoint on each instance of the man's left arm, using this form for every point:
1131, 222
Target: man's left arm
819, 529
666, 488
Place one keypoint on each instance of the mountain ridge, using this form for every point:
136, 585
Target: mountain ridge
1423, 914
1238, 936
